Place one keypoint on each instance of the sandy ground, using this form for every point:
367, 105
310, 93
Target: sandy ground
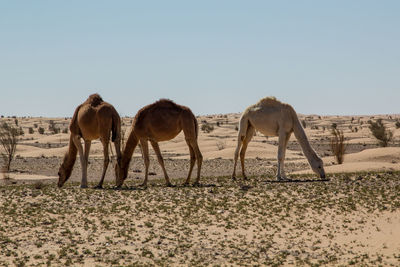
351, 219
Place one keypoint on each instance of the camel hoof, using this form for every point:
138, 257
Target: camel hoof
282, 179
98, 187
233, 177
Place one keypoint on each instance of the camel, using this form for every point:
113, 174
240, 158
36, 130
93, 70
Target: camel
274, 118
160, 121
92, 120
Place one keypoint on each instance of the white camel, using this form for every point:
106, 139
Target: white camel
274, 118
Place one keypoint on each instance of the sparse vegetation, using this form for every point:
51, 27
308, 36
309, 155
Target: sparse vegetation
224, 223
397, 124
380, 132
31, 131
338, 145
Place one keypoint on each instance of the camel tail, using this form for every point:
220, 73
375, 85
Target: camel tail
116, 127
196, 126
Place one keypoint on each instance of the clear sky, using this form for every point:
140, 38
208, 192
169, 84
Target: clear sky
322, 57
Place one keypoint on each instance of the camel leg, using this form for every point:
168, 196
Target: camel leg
145, 151
246, 141
78, 144
195, 155
283, 141
105, 163
192, 161
239, 144
161, 161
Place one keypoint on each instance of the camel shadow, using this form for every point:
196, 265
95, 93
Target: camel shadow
143, 188
296, 181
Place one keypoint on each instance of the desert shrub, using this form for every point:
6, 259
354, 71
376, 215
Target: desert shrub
334, 125
16, 122
52, 127
207, 127
380, 132
9, 138
35, 125
303, 122
397, 124
30, 130
338, 145
65, 130
220, 145
41, 130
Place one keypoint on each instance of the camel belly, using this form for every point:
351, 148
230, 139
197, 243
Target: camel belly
266, 126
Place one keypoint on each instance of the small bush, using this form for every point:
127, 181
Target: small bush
334, 125
220, 145
31, 131
337, 145
380, 132
52, 128
65, 130
35, 125
207, 127
41, 130
397, 124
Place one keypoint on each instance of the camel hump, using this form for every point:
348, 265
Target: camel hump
94, 100
269, 101
166, 103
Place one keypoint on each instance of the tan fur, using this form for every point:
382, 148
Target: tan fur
92, 120
274, 118
160, 121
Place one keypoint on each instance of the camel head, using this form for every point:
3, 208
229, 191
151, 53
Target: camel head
317, 165
63, 175
120, 174
64, 172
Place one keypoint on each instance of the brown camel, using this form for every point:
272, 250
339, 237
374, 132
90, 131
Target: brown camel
92, 120
273, 118
160, 121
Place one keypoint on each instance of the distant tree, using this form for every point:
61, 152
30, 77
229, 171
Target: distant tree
9, 138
